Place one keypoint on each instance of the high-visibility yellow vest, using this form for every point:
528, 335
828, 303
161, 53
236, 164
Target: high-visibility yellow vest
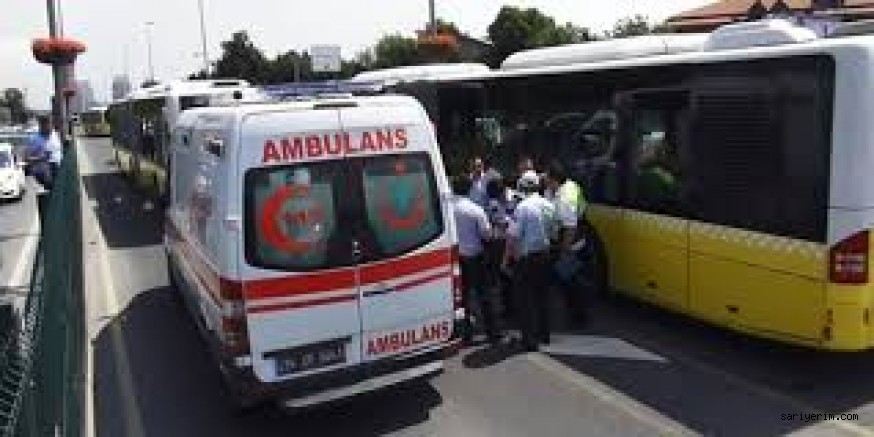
571, 193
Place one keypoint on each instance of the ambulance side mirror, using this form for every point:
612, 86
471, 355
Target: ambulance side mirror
215, 147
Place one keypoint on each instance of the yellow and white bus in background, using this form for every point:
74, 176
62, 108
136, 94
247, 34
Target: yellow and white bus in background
142, 122
728, 173
94, 122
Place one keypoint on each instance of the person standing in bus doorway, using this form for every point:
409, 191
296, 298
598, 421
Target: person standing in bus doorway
479, 179
502, 202
528, 242
567, 252
44, 152
473, 230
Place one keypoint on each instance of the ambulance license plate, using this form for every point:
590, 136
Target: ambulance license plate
311, 356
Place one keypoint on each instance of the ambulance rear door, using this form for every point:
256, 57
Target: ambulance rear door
299, 278
403, 239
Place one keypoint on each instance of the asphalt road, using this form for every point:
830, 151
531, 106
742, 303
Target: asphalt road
634, 370
19, 234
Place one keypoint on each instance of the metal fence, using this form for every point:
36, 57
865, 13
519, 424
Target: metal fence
42, 354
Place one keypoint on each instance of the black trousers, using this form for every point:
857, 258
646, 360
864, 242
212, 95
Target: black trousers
501, 283
532, 277
475, 280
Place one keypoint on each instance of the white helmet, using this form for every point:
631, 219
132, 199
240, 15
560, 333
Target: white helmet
529, 181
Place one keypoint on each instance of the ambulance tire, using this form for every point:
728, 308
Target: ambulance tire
175, 283
240, 404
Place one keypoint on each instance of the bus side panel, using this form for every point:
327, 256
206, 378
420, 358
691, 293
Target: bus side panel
656, 257
765, 283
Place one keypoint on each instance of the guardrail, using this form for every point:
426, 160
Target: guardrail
42, 354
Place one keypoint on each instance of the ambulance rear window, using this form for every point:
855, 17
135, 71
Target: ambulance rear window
312, 216
402, 206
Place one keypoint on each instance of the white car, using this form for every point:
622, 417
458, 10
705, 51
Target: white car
12, 179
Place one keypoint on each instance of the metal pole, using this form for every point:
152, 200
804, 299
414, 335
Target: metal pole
149, 43
432, 16
58, 102
203, 38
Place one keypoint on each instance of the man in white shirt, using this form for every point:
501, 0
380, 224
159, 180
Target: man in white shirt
45, 152
478, 179
473, 228
529, 242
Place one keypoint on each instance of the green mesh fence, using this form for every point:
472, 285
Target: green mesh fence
42, 380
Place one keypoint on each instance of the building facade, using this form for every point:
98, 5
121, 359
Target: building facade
120, 87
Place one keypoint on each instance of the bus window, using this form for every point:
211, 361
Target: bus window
658, 139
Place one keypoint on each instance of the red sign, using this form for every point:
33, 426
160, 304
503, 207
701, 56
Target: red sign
403, 340
336, 145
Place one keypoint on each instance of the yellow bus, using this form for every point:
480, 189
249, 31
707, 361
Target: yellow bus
94, 123
142, 124
727, 173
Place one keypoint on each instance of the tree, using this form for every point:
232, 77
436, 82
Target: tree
634, 26
394, 51
242, 60
13, 100
516, 29
290, 66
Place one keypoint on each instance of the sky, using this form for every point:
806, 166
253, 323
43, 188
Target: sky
115, 31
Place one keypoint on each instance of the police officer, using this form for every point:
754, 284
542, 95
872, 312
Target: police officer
528, 242
570, 203
473, 229
502, 202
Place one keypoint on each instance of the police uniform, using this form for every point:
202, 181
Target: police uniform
530, 231
472, 225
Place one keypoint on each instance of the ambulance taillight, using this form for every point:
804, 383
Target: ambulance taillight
457, 288
234, 330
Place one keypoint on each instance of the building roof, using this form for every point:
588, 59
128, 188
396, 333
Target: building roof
733, 8
716, 14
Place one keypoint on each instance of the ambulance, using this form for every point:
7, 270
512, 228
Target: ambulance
314, 244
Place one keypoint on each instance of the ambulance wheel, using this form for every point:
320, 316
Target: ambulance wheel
239, 402
175, 283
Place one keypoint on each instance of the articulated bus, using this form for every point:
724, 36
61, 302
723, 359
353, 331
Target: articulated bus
142, 123
94, 123
727, 173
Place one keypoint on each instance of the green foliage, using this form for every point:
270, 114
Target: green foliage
516, 29
635, 25
394, 51
242, 60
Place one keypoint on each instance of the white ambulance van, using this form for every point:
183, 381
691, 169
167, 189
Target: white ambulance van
314, 244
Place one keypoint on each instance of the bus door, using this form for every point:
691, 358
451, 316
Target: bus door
654, 255
462, 130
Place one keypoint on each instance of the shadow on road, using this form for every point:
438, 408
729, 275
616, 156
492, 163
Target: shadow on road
151, 359
720, 382
127, 218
